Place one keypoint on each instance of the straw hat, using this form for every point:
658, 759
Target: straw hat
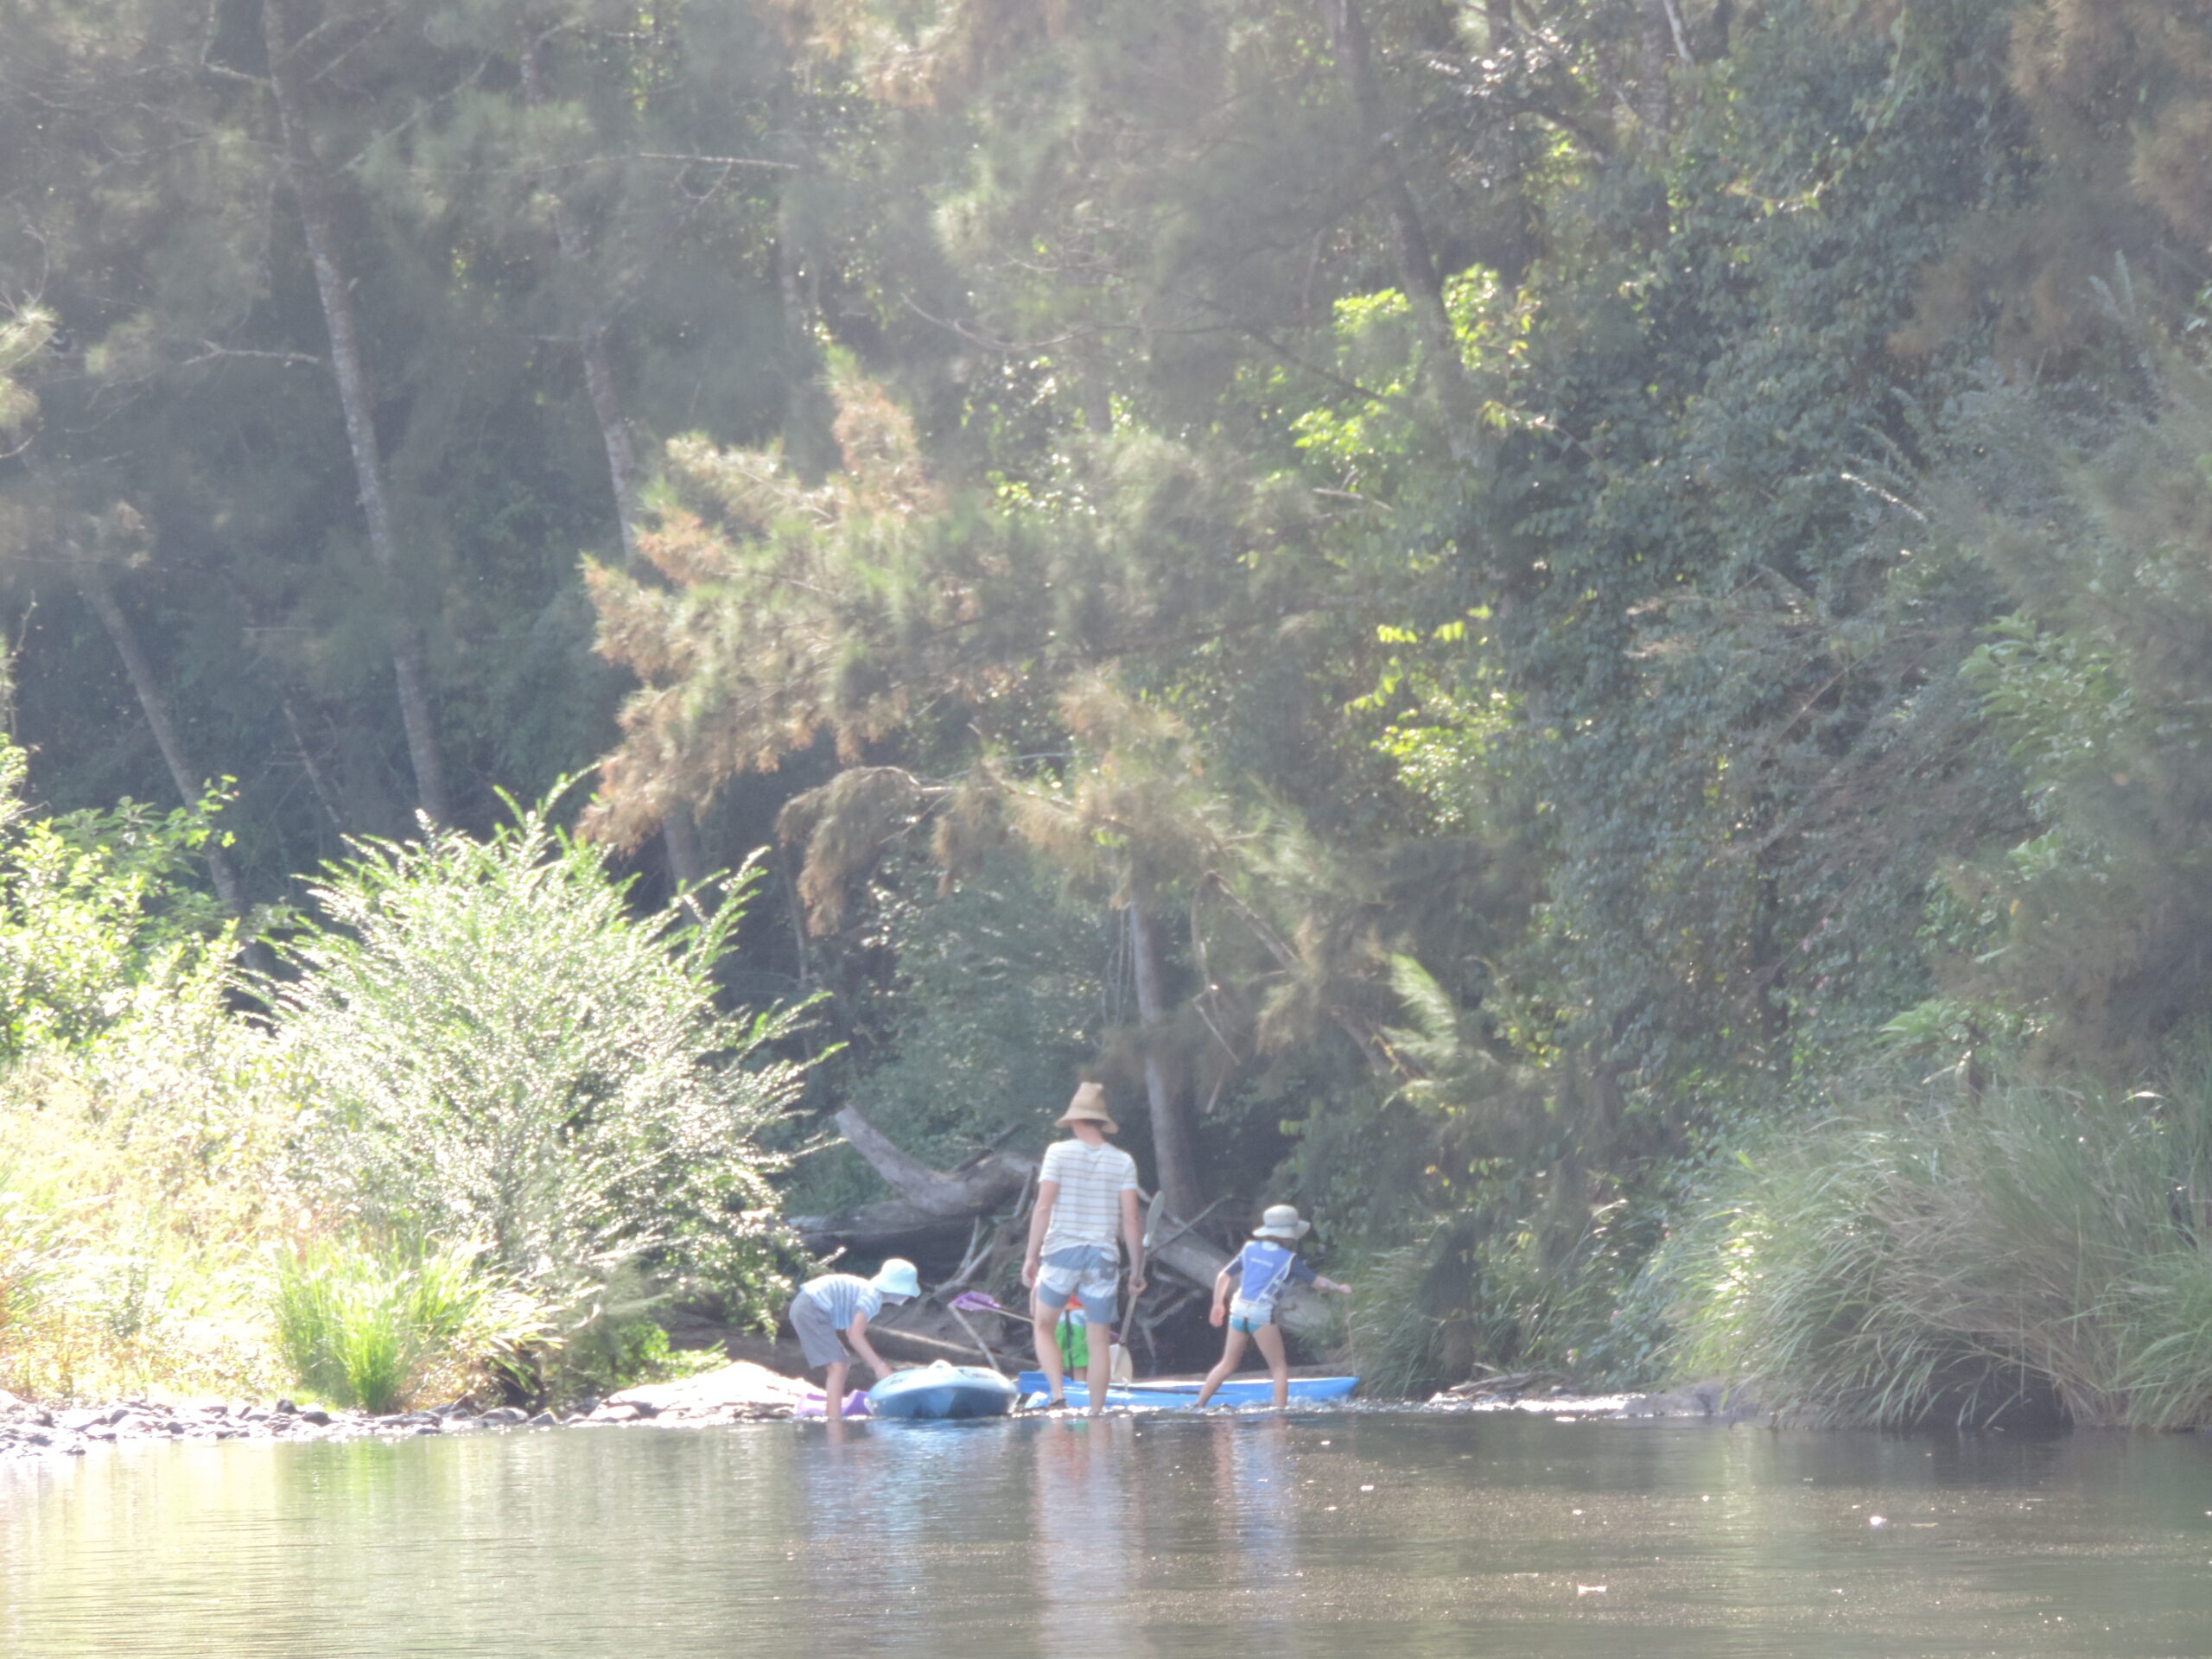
1281, 1221
1087, 1106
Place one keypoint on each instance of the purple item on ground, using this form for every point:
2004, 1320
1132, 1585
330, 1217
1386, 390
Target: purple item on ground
976, 1301
856, 1403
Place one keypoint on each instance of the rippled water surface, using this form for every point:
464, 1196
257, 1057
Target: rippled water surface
1409, 1534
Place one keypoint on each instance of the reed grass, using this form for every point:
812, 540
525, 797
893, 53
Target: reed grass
384, 1329
1919, 1258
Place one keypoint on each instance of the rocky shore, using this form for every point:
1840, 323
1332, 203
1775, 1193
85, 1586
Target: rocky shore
740, 1392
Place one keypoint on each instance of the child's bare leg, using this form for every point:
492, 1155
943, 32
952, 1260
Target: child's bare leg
833, 1390
1232, 1356
1269, 1337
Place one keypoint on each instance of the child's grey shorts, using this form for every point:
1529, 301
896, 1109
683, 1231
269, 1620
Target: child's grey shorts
816, 1334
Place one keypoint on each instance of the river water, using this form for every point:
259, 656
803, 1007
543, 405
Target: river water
1405, 1534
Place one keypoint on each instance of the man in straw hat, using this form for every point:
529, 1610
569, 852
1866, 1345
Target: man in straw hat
1084, 1187
1261, 1272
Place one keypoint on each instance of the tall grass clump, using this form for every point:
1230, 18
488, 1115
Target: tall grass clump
1925, 1257
385, 1328
493, 1046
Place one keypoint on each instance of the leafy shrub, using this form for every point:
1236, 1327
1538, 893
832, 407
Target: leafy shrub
140, 1128
145, 1176
493, 1046
95, 921
1931, 1256
385, 1328
617, 1353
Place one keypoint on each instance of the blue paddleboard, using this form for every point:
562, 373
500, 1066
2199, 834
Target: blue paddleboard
1180, 1396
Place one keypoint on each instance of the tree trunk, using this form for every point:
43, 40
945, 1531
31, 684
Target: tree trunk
92, 581
679, 835
1409, 243
1657, 33
929, 1201
1173, 1144
318, 227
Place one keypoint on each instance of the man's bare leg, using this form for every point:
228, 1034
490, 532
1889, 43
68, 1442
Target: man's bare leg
1100, 1375
1043, 1325
833, 1391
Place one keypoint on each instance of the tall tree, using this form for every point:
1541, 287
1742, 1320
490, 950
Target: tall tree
291, 47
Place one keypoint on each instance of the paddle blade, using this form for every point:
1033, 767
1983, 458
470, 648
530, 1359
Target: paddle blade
1152, 1217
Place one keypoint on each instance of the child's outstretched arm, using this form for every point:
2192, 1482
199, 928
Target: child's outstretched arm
1221, 1294
1321, 1283
856, 1333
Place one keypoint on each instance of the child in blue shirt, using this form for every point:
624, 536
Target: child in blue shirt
1260, 1271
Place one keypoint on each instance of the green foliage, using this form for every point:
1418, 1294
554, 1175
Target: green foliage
140, 1128
1579, 576
384, 1330
999, 994
1928, 1257
2100, 687
620, 1353
494, 1047
97, 923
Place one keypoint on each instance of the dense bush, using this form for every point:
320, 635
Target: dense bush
1939, 1257
493, 1046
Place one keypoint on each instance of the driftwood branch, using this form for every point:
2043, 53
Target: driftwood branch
928, 1201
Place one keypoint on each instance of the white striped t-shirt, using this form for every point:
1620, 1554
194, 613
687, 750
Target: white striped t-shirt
842, 1295
1092, 1180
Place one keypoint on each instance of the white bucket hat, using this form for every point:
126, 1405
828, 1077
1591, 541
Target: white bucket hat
1281, 1221
896, 1277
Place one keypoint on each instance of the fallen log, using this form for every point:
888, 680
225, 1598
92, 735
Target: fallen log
928, 1200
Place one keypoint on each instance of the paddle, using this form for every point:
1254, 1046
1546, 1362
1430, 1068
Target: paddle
1152, 1212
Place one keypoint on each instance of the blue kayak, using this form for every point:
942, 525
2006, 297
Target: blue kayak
943, 1390
1181, 1396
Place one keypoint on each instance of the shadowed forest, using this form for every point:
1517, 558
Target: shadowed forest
1576, 634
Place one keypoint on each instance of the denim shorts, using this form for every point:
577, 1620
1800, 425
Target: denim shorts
1090, 1273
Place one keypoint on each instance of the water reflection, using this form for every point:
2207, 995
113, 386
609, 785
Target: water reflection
1322, 1536
1085, 1516
1257, 1507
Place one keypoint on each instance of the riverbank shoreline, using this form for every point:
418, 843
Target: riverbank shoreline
741, 1392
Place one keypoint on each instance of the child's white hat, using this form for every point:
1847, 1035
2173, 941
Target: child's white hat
1281, 1221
